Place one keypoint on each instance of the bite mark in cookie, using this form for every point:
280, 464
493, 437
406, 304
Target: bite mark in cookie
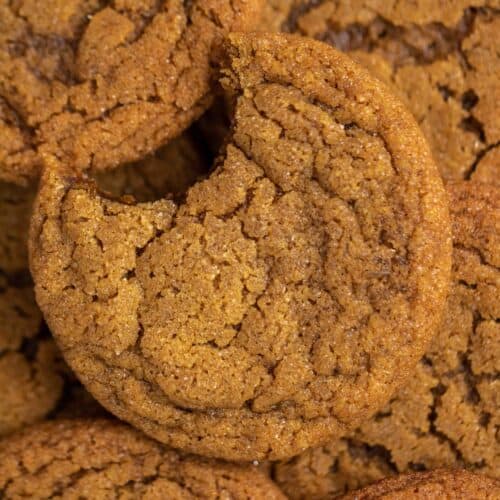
291, 292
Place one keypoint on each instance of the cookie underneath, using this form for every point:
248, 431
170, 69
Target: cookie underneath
98, 84
440, 57
106, 459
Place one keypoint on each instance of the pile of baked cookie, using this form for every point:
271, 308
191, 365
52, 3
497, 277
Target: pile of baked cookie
250, 249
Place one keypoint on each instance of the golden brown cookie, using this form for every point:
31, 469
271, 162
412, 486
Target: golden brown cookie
100, 83
106, 459
31, 385
449, 484
34, 380
288, 296
449, 412
441, 56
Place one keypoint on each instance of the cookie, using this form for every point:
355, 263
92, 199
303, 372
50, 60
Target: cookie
98, 84
288, 296
170, 171
449, 412
35, 381
106, 459
31, 386
441, 56
453, 484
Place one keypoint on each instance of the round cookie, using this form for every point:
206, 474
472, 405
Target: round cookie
98, 84
106, 459
441, 56
288, 296
452, 484
449, 412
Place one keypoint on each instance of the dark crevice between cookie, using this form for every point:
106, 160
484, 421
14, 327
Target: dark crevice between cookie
29, 346
68, 400
17, 279
109, 185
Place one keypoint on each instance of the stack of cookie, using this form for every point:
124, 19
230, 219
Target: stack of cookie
249, 249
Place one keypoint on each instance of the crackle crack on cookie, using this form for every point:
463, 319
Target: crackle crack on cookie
100, 83
440, 59
107, 459
36, 382
435, 484
30, 382
447, 416
255, 317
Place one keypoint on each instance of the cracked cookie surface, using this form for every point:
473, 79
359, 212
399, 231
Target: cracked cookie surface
449, 412
434, 484
31, 383
288, 296
107, 459
35, 381
98, 83
441, 58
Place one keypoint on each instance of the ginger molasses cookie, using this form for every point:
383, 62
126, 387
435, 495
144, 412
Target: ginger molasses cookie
34, 379
441, 56
449, 413
31, 385
290, 293
107, 459
451, 484
100, 83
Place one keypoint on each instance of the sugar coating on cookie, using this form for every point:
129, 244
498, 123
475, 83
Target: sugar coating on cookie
34, 379
288, 296
440, 56
98, 84
448, 413
107, 459
435, 484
